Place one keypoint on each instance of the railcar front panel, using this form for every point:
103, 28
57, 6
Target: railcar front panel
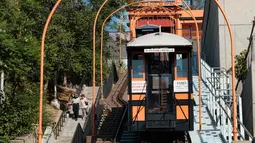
160, 85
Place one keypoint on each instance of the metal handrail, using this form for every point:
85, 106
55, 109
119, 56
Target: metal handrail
217, 81
98, 96
86, 126
112, 99
59, 124
220, 101
122, 118
121, 86
238, 120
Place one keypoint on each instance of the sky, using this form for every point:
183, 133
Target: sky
114, 19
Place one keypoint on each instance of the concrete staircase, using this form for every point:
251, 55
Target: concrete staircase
68, 131
69, 128
209, 133
130, 137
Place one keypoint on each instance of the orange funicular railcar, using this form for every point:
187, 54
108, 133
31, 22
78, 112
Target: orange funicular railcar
160, 83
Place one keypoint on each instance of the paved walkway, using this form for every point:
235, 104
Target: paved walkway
70, 125
209, 133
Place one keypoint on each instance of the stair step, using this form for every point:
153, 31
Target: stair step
110, 124
64, 139
112, 120
128, 141
130, 137
107, 133
107, 129
105, 136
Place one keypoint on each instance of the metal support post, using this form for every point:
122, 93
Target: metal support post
2, 81
2, 97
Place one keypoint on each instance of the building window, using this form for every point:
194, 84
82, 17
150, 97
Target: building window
137, 66
182, 65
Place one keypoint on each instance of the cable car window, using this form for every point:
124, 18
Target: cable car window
160, 63
182, 65
137, 66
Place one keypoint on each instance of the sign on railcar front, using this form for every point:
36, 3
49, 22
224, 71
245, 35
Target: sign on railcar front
181, 86
159, 50
138, 86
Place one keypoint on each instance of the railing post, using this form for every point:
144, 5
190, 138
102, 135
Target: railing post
224, 122
213, 97
228, 88
241, 115
211, 92
229, 127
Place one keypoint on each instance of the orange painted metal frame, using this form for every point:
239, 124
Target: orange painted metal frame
42, 69
198, 46
42, 63
233, 71
198, 61
101, 50
140, 115
94, 68
183, 96
102, 33
180, 114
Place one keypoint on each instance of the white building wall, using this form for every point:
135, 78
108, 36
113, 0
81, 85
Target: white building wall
216, 45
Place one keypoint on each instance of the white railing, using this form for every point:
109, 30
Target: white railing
219, 101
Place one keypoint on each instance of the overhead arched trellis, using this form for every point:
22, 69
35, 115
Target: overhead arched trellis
197, 38
94, 45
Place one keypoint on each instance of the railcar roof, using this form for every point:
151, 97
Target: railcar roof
159, 39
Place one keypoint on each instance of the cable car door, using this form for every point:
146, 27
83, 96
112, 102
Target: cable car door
159, 94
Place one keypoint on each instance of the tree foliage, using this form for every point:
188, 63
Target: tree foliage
20, 48
241, 66
68, 51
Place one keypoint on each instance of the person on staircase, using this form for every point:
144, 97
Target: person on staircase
84, 105
75, 102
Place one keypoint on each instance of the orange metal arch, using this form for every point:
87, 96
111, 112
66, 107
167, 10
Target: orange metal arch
101, 51
42, 69
198, 51
102, 33
233, 70
94, 45
94, 68
198, 47
199, 68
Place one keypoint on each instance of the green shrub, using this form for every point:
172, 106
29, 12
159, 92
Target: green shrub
240, 66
